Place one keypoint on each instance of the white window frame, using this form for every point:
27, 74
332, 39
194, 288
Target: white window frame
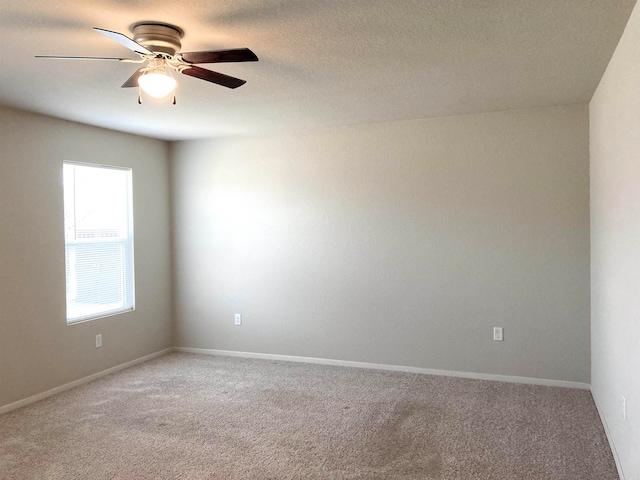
127, 250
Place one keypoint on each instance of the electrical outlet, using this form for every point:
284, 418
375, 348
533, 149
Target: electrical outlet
238, 319
624, 408
498, 334
98, 340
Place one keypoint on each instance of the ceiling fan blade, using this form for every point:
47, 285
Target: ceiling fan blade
132, 81
213, 77
124, 40
219, 56
56, 57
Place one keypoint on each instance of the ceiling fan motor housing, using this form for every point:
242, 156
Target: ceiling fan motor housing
158, 37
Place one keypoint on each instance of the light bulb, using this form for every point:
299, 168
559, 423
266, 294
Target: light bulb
157, 84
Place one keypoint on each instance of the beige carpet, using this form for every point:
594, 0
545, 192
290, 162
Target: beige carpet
199, 417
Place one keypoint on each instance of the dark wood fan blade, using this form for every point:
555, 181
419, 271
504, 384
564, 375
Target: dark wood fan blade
124, 40
219, 56
213, 77
55, 57
132, 81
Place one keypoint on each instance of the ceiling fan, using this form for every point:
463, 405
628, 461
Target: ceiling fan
158, 46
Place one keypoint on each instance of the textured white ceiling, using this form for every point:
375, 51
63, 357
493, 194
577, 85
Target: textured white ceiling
322, 63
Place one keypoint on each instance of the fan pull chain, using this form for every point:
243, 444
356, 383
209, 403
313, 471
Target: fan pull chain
139, 97
174, 99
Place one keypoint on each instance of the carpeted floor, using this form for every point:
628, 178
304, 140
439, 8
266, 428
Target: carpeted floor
186, 416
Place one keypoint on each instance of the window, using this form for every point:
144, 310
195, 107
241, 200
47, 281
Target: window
98, 231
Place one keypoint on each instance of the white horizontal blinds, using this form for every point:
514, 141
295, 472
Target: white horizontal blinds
98, 241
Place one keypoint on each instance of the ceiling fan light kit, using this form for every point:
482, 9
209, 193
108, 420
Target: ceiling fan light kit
158, 45
157, 82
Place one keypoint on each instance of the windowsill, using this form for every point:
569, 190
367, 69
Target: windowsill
99, 316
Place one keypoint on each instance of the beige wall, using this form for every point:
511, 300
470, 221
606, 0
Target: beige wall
38, 351
615, 246
399, 243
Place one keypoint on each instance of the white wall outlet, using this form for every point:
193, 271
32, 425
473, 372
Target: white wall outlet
624, 408
98, 340
498, 334
238, 319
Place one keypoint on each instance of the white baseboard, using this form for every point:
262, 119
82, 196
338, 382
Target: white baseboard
395, 368
321, 361
612, 445
67, 386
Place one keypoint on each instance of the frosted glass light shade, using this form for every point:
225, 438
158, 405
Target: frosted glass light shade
157, 85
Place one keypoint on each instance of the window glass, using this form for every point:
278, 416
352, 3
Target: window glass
98, 241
